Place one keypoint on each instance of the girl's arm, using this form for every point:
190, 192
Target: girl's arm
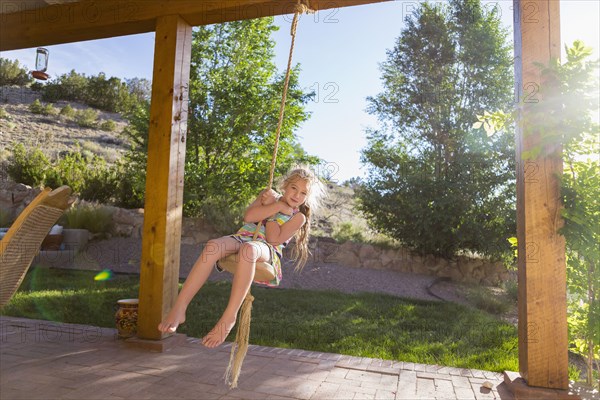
257, 211
277, 234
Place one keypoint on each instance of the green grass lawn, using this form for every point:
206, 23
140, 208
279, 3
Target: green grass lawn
366, 324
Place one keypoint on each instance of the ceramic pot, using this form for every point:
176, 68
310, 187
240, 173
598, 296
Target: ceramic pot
126, 317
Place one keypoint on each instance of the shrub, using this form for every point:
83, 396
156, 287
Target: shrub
29, 166
346, 231
383, 241
36, 107
36, 86
73, 169
4, 114
87, 174
108, 125
130, 186
70, 87
96, 219
101, 181
11, 73
86, 118
48, 109
117, 141
67, 111
220, 214
512, 289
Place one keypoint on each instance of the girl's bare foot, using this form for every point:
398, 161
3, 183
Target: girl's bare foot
172, 321
218, 334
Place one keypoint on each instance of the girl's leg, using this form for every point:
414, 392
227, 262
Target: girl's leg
213, 251
250, 253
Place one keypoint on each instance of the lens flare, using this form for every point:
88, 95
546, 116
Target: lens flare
104, 275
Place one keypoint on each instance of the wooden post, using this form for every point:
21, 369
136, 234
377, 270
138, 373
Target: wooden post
159, 271
543, 342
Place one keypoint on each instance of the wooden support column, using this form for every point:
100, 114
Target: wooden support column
159, 272
543, 342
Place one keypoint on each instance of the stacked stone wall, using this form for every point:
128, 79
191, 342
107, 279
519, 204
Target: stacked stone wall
129, 223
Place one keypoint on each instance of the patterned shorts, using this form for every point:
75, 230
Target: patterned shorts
275, 260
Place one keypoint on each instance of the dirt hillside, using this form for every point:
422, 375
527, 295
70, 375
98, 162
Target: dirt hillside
53, 133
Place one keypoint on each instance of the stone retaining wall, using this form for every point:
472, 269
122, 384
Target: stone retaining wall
360, 255
14, 197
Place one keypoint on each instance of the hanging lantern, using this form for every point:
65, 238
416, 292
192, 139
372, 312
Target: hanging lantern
41, 64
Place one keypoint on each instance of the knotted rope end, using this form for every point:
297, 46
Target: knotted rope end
303, 7
240, 346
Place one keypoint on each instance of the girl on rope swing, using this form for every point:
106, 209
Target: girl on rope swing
284, 216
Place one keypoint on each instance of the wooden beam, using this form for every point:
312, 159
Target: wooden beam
21, 27
241, 10
159, 271
543, 342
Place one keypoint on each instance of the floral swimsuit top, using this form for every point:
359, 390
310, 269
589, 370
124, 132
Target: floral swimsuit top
247, 231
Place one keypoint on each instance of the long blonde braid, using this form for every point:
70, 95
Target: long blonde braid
300, 252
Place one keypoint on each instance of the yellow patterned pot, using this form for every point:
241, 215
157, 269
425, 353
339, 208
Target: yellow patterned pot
126, 317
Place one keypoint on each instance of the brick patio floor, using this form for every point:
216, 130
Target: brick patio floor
46, 360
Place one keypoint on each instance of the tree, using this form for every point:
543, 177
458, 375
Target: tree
577, 83
131, 188
140, 89
11, 73
435, 183
235, 95
108, 94
234, 98
563, 123
69, 87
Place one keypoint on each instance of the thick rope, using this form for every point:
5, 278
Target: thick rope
300, 8
242, 337
240, 347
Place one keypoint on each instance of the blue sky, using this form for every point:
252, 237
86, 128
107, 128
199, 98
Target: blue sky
339, 51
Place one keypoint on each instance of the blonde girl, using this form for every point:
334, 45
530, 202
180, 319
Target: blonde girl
284, 217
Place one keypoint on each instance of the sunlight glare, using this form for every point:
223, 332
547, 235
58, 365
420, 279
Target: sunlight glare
104, 275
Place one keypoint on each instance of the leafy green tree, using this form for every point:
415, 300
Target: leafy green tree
11, 73
130, 189
564, 119
140, 89
235, 94
569, 121
234, 97
435, 183
69, 87
107, 94
582, 231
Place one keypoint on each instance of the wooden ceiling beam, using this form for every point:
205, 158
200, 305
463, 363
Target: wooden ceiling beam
21, 27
